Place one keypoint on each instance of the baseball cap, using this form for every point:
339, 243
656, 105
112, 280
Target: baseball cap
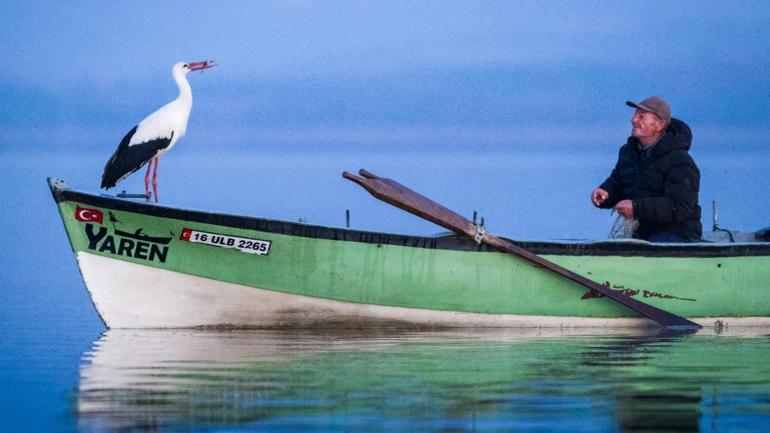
654, 104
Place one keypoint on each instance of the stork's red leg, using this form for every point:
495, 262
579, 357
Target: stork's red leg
147, 178
155, 179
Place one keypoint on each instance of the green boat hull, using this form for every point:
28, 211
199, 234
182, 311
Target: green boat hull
153, 266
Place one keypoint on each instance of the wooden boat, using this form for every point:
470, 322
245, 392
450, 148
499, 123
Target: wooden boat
150, 266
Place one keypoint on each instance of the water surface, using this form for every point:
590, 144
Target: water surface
423, 381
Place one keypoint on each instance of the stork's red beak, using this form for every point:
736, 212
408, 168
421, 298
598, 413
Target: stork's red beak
199, 66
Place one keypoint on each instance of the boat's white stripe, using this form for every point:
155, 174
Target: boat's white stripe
129, 295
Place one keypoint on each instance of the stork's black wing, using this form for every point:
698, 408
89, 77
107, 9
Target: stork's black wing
128, 159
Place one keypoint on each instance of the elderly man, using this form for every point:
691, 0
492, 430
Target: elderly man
655, 181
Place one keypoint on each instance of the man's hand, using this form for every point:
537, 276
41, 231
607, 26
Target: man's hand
599, 196
625, 208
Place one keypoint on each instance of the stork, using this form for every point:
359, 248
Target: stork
155, 135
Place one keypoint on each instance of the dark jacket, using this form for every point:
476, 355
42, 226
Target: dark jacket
663, 186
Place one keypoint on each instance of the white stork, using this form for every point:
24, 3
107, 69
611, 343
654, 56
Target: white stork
155, 135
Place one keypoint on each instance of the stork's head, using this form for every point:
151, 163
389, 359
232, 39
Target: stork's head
184, 68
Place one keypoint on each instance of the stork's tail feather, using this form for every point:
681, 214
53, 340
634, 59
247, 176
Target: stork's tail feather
108, 181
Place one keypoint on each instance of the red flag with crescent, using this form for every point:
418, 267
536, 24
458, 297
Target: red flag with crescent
88, 215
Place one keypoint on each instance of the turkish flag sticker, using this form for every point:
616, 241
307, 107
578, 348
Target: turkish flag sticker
186, 233
88, 215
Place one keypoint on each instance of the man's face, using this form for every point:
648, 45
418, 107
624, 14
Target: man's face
646, 125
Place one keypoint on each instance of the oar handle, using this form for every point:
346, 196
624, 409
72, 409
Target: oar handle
354, 178
367, 174
398, 195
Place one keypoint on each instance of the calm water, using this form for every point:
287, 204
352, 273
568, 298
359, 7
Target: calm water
410, 381
60, 372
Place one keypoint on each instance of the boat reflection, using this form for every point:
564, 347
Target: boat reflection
490, 380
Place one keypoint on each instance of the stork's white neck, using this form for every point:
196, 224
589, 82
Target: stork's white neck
185, 92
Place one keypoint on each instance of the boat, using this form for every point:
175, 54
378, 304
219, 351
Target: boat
151, 266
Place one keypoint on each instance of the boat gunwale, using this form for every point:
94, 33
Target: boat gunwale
608, 247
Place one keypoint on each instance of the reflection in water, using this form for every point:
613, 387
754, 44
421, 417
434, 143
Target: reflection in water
418, 381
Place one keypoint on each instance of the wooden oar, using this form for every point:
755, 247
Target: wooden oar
404, 198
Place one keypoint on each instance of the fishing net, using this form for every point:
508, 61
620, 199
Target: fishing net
623, 228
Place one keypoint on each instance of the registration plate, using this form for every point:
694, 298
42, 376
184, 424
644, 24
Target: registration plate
245, 245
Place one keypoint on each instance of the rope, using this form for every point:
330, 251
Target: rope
623, 228
480, 233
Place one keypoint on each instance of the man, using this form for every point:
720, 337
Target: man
655, 180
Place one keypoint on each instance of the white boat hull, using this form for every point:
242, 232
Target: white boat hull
129, 295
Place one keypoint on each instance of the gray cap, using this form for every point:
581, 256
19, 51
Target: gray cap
654, 104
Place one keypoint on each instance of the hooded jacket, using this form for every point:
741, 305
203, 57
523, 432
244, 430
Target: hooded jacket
663, 186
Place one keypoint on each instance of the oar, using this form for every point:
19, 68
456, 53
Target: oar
402, 197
